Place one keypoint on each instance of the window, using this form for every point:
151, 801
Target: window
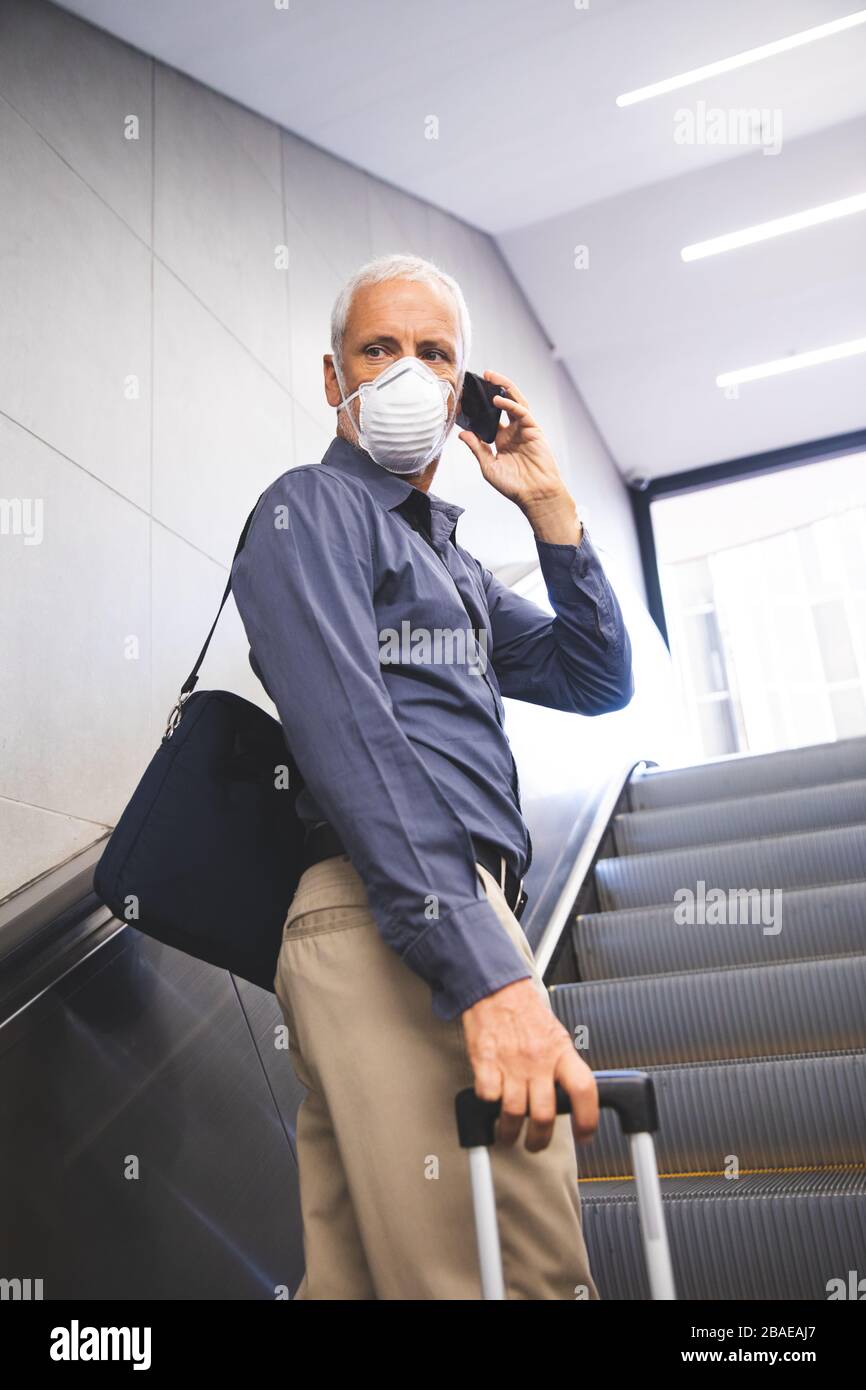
764, 587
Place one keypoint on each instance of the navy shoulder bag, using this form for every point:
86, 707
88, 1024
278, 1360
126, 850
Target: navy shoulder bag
208, 852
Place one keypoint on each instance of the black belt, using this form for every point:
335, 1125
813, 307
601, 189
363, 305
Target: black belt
323, 842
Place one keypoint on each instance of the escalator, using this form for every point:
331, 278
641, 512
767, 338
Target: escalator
749, 1011
112, 1045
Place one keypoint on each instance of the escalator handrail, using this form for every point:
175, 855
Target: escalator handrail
584, 860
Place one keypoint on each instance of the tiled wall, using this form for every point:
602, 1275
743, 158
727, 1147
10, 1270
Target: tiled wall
157, 370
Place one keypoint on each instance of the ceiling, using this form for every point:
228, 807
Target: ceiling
533, 149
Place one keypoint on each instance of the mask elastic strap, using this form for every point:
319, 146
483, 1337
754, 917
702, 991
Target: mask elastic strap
344, 401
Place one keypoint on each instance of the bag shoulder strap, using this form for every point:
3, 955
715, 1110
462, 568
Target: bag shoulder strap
192, 679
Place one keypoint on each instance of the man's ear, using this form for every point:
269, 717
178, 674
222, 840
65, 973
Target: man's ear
459, 417
333, 394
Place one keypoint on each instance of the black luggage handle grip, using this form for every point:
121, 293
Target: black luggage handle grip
630, 1093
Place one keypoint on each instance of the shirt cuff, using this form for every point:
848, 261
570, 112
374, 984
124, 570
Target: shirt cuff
569, 564
567, 568
465, 956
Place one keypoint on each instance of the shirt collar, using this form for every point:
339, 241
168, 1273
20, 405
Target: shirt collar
390, 490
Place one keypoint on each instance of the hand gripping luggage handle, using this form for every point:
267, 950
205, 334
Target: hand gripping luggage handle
632, 1096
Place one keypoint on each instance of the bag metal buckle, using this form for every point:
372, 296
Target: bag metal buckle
175, 714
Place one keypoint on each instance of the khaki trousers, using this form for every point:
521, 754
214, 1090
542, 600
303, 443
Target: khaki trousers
385, 1194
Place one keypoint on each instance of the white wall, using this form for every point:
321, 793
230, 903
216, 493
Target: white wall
156, 372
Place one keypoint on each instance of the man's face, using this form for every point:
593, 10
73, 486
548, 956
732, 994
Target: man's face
397, 318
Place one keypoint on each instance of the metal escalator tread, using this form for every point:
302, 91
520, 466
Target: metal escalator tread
743, 776
713, 822
802, 1110
756, 1039
728, 1012
783, 861
828, 920
760, 1236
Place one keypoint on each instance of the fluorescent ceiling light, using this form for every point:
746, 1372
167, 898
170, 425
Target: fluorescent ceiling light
793, 363
763, 231
741, 60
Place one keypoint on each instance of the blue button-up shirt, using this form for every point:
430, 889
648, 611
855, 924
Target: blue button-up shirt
387, 653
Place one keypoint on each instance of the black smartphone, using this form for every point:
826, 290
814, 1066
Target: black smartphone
477, 411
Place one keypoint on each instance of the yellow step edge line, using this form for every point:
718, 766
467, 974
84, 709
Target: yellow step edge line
716, 1173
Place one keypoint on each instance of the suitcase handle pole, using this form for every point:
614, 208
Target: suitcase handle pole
631, 1095
486, 1229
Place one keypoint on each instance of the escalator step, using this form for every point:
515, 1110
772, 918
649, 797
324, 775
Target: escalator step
826, 921
713, 822
742, 776
800, 1111
760, 1236
778, 862
708, 1015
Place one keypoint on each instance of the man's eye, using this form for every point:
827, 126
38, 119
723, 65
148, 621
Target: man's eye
370, 351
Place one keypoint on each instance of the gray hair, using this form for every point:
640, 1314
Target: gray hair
398, 267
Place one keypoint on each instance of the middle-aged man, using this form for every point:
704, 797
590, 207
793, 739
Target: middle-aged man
404, 974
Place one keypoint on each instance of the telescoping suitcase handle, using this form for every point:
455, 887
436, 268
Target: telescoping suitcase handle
631, 1095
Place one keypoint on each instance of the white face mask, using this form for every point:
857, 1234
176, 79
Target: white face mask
404, 415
